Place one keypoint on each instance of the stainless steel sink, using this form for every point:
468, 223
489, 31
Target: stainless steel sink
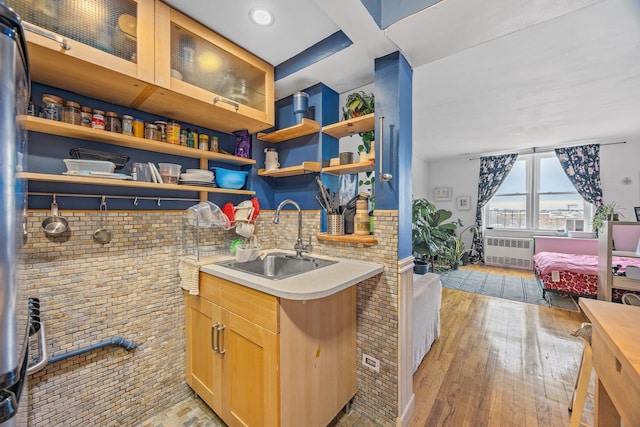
277, 265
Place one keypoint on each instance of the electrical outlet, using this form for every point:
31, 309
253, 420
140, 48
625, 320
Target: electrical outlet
371, 362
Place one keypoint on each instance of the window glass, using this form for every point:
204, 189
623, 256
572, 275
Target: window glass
517, 205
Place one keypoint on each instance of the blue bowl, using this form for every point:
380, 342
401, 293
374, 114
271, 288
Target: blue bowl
230, 179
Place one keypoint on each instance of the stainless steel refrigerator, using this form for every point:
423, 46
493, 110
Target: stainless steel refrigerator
19, 316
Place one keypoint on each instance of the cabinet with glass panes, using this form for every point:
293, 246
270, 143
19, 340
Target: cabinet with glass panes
208, 77
79, 45
145, 55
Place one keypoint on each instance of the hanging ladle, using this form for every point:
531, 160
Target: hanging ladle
54, 225
102, 235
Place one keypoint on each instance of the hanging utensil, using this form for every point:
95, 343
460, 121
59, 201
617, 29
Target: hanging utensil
54, 225
102, 235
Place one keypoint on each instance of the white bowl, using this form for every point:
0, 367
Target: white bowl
89, 165
632, 272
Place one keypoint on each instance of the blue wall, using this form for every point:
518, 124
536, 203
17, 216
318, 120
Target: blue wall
323, 106
387, 12
393, 89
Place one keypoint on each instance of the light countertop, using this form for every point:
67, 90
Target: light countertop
315, 284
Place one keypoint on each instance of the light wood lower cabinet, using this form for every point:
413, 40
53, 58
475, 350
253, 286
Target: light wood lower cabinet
258, 360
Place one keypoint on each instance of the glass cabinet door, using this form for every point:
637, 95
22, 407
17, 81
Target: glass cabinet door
193, 60
104, 33
198, 62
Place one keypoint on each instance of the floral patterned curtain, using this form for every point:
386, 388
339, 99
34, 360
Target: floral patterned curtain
582, 166
493, 171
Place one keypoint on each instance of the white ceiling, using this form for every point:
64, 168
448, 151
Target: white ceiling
489, 76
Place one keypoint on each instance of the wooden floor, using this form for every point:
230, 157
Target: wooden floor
498, 363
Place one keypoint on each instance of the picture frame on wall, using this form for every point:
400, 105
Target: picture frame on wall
463, 203
442, 194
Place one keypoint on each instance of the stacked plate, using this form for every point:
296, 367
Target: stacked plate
197, 177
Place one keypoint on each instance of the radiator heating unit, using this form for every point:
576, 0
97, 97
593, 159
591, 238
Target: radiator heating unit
508, 252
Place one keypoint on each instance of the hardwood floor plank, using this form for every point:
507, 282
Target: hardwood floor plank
498, 362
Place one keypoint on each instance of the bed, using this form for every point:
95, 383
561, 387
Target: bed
575, 274
427, 300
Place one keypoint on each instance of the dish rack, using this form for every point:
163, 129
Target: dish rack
194, 232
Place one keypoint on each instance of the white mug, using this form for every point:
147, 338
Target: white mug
245, 229
272, 165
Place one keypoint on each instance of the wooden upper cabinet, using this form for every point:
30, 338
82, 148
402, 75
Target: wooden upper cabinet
144, 54
232, 88
104, 38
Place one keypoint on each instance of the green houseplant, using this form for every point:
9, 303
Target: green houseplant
431, 230
607, 212
454, 250
360, 104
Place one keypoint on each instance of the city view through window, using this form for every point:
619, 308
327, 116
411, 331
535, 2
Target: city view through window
536, 195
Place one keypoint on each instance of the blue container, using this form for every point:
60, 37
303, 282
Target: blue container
300, 106
230, 179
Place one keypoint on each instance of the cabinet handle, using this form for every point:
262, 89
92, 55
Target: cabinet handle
383, 176
48, 34
221, 99
214, 336
221, 349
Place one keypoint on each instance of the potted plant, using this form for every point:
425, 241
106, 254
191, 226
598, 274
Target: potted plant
360, 104
607, 212
430, 232
455, 250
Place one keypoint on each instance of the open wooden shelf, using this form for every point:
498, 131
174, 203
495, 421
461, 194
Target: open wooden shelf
52, 127
307, 127
348, 238
349, 169
69, 179
306, 167
351, 126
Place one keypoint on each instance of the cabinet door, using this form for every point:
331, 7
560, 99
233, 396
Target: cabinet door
107, 38
250, 391
192, 62
203, 363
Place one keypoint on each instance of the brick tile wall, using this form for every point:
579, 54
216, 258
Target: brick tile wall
129, 288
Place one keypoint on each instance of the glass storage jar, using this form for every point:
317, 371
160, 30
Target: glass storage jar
86, 115
173, 132
52, 107
71, 113
127, 125
97, 122
162, 130
112, 122
150, 131
138, 128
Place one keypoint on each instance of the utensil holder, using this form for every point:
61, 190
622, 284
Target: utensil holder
335, 225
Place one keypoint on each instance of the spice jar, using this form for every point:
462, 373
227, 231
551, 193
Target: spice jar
150, 131
192, 138
71, 113
162, 130
86, 115
52, 107
97, 121
173, 132
361, 218
214, 144
127, 125
112, 122
138, 128
183, 138
203, 142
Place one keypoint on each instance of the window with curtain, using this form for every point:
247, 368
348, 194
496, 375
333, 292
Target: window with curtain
537, 196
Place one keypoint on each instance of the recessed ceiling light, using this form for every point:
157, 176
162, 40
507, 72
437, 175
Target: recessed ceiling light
261, 17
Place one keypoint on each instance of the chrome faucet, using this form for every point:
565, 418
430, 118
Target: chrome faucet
299, 247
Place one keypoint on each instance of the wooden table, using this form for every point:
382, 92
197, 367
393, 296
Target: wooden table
616, 359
